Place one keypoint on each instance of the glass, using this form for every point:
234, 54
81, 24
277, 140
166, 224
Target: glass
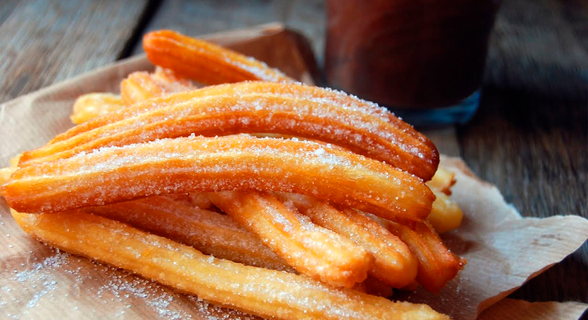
423, 59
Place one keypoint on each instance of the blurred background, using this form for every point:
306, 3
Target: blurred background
537, 46
529, 136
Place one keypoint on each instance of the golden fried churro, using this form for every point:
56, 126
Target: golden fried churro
207, 231
140, 86
443, 180
92, 105
238, 162
394, 264
446, 214
312, 250
258, 291
128, 112
291, 109
437, 264
171, 81
203, 61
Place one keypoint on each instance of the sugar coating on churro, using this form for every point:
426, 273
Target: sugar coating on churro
210, 232
394, 264
258, 107
92, 105
205, 62
260, 291
310, 249
215, 164
257, 68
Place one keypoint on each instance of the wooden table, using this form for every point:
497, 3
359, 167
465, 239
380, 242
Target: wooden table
529, 136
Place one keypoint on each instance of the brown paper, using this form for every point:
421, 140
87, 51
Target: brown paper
503, 249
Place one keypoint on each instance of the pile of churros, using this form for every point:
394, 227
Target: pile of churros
224, 178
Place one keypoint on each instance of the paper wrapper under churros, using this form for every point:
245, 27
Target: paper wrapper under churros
503, 249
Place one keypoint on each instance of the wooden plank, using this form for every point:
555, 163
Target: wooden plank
47, 41
529, 137
541, 46
209, 16
534, 149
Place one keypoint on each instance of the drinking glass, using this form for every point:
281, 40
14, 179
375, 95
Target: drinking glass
423, 59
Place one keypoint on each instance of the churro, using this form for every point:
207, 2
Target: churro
443, 180
203, 61
445, 214
327, 257
291, 109
140, 86
92, 105
312, 250
207, 231
394, 264
263, 292
237, 162
437, 264
171, 81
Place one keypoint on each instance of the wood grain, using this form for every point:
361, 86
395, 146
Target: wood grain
529, 136
47, 41
534, 150
209, 16
541, 46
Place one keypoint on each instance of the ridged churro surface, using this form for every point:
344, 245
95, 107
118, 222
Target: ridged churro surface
203, 61
282, 295
237, 162
209, 232
394, 263
312, 250
292, 109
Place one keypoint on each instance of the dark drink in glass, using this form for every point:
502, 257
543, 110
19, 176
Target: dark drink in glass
424, 59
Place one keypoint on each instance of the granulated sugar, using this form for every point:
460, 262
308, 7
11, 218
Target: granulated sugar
62, 286
214, 312
39, 277
154, 296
